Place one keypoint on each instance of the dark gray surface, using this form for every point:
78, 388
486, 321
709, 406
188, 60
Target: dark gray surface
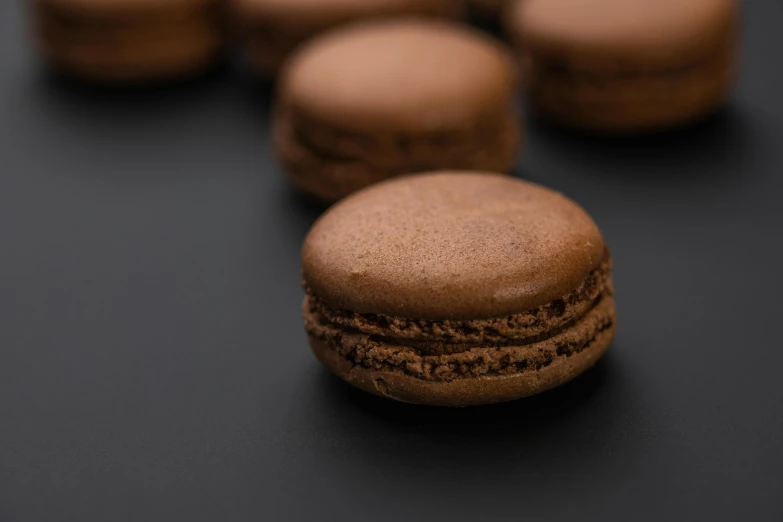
153, 365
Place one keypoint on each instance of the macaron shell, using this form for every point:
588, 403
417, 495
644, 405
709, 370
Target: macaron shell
640, 103
471, 391
449, 336
411, 75
328, 164
158, 61
450, 246
600, 32
118, 41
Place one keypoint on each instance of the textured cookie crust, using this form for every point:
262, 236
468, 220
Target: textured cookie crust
630, 65
447, 336
450, 245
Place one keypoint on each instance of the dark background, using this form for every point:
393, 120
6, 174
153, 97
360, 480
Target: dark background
153, 364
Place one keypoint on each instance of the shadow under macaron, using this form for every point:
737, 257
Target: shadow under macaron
144, 95
545, 407
561, 430
258, 90
716, 138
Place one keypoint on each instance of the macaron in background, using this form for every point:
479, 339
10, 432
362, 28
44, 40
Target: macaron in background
269, 30
457, 289
375, 100
626, 65
129, 41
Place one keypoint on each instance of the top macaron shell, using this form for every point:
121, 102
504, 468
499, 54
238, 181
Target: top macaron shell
450, 246
405, 76
667, 31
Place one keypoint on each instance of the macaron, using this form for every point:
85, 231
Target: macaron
457, 289
129, 41
269, 30
626, 65
372, 101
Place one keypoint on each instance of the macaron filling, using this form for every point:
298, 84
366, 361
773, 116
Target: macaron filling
448, 349
562, 70
330, 142
348, 160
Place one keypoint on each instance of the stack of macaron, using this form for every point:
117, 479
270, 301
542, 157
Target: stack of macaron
435, 278
458, 285
370, 101
595, 65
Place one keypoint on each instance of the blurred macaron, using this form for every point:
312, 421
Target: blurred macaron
369, 102
129, 41
626, 65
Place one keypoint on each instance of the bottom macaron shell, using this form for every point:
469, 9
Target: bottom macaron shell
135, 56
328, 173
560, 367
646, 103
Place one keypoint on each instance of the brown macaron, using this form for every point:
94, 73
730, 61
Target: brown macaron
626, 65
372, 101
129, 41
269, 30
457, 289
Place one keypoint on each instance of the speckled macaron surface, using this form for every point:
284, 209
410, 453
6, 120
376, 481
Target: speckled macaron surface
129, 41
626, 65
270, 30
377, 100
457, 288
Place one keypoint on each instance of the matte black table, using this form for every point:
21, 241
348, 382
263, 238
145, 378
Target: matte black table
153, 365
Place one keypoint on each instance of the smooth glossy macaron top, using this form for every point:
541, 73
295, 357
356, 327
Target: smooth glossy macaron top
665, 30
450, 246
401, 75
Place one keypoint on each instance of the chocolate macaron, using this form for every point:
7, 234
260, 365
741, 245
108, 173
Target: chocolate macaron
372, 101
626, 65
457, 289
269, 30
129, 41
